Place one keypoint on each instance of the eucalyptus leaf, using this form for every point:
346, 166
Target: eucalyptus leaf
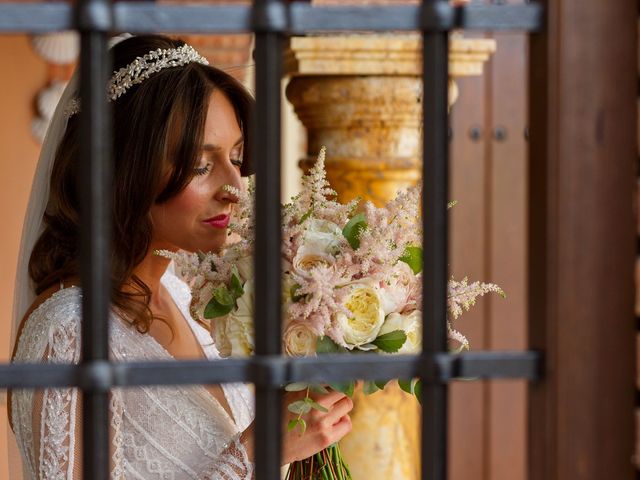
297, 422
315, 405
292, 424
214, 309
319, 389
391, 342
299, 407
353, 229
412, 256
296, 387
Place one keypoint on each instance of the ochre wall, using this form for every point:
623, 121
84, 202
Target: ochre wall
23, 74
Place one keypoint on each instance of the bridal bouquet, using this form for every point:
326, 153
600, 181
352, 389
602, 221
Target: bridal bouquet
351, 283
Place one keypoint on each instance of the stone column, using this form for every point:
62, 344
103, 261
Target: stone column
361, 97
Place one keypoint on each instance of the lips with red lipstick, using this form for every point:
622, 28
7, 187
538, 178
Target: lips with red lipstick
219, 221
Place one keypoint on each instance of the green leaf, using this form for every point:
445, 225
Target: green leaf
391, 342
370, 387
326, 345
406, 386
236, 284
300, 407
318, 389
417, 390
292, 424
214, 309
303, 425
296, 387
305, 216
292, 292
344, 387
353, 229
381, 384
223, 296
315, 405
412, 256
297, 422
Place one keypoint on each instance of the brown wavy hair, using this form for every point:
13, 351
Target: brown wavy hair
158, 129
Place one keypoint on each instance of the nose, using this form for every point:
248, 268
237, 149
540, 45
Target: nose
230, 177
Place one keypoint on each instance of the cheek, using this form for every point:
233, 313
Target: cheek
187, 204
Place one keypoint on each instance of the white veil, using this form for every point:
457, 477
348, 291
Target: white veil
24, 292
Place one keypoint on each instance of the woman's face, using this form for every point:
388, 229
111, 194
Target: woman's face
196, 219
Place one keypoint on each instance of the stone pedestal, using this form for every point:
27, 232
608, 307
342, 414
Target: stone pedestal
361, 97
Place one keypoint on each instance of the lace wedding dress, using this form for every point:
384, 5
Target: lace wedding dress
156, 432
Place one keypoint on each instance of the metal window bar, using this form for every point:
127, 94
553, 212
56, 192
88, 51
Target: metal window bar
271, 20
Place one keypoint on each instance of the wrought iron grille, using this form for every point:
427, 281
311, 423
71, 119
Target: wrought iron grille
271, 21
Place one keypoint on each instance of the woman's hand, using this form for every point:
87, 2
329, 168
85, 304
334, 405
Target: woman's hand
322, 429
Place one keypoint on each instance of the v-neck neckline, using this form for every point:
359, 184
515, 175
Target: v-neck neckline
230, 414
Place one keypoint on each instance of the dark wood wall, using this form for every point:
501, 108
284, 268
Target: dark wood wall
489, 242
554, 225
582, 240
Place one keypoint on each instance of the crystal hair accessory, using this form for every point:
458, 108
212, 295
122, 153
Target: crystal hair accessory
142, 68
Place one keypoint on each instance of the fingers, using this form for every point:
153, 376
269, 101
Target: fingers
337, 411
340, 429
327, 400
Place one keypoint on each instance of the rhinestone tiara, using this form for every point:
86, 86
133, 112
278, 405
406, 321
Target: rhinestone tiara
142, 68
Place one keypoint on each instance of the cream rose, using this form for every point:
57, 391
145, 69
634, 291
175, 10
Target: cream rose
367, 315
411, 325
308, 258
299, 341
233, 334
396, 288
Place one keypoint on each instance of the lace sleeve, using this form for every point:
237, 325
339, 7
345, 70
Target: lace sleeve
47, 422
56, 411
232, 464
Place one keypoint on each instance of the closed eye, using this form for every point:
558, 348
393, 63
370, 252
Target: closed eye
202, 170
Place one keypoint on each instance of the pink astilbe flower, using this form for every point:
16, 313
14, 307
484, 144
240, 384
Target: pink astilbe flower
321, 256
462, 296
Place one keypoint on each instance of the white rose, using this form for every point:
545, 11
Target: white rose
322, 236
411, 324
233, 334
299, 341
363, 325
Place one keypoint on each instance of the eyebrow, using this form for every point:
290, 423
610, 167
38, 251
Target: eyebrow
209, 147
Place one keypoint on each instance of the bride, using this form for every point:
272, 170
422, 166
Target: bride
179, 136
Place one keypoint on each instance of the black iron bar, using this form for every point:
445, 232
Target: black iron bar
276, 370
94, 21
148, 17
434, 208
268, 277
